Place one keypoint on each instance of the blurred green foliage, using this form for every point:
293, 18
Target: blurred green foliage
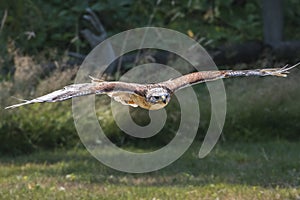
30, 27
56, 24
53, 23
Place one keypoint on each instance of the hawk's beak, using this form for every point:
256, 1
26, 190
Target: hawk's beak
164, 99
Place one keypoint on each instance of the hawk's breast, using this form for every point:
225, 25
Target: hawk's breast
135, 100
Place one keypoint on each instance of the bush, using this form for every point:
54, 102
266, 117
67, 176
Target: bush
41, 126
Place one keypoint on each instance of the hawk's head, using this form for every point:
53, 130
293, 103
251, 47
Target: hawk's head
158, 95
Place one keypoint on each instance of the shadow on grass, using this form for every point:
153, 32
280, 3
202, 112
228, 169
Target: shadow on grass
269, 164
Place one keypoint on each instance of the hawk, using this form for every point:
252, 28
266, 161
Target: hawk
149, 96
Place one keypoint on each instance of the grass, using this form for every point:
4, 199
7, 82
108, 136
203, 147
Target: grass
231, 171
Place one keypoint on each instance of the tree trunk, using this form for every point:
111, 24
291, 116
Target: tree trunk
273, 22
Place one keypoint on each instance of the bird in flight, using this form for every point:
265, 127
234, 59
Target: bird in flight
149, 96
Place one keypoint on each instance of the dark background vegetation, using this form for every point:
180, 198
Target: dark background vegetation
36, 38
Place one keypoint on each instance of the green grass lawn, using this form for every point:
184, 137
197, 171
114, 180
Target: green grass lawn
231, 171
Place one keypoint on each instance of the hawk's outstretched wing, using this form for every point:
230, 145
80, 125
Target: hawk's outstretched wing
205, 76
148, 96
95, 87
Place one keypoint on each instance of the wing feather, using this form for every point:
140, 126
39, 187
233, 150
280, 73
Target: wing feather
205, 76
191, 79
83, 89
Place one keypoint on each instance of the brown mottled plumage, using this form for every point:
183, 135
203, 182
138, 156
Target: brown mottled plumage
149, 96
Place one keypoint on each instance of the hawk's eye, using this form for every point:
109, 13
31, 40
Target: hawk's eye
154, 98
